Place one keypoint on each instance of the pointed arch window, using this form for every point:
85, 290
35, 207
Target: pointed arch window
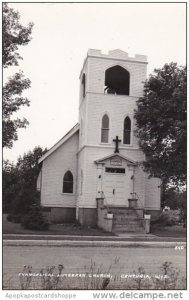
83, 84
127, 131
105, 129
68, 183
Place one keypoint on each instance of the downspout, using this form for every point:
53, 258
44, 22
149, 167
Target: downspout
133, 181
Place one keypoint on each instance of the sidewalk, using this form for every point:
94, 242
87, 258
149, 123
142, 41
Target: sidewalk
121, 240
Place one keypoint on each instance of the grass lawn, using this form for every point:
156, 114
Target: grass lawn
92, 260
75, 229
59, 229
168, 231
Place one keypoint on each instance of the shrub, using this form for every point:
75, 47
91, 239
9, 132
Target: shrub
176, 201
14, 218
23, 201
169, 218
9, 218
34, 219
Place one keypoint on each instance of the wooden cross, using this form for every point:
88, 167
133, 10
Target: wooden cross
117, 141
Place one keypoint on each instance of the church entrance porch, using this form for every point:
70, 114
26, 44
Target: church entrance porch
118, 209
127, 219
115, 177
116, 189
121, 219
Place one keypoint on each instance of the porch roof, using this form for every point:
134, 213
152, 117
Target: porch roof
102, 160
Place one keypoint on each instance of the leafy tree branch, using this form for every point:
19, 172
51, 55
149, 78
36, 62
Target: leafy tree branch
161, 124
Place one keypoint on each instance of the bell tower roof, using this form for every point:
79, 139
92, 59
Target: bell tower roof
117, 54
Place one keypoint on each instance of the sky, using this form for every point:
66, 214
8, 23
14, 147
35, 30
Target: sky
61, 37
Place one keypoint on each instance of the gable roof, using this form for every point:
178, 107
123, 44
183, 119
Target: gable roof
68, 135
100, 161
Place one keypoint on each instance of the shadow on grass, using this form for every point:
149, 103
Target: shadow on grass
55, 229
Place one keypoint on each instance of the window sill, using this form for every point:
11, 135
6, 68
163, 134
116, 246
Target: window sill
126, 145
121, 145
67, 194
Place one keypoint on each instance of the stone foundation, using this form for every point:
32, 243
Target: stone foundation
87, 216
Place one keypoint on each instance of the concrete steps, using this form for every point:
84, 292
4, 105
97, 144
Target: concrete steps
127, 220
126, 211
130, 220
128, 228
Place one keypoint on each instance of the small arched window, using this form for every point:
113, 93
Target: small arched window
83, 85
127, 131
105, 129
68, 183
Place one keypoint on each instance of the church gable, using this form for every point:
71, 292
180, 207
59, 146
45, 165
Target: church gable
59, 175
66, 137
116, 160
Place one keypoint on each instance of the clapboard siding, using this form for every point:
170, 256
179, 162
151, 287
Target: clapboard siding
153, 191
89, 156
54, 168
117, 108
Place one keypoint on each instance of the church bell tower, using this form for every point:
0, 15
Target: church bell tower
110, 85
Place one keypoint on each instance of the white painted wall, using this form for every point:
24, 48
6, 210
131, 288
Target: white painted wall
117, 108
96, 103
54, 168
87, 158
81, 167
153, 193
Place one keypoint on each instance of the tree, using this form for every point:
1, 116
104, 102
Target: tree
12, 101
19, 182
161, 124
20, 198
176, 200
10, 187
14, 35
29, 168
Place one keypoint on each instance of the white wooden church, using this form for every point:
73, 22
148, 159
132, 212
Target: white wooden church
93, 174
